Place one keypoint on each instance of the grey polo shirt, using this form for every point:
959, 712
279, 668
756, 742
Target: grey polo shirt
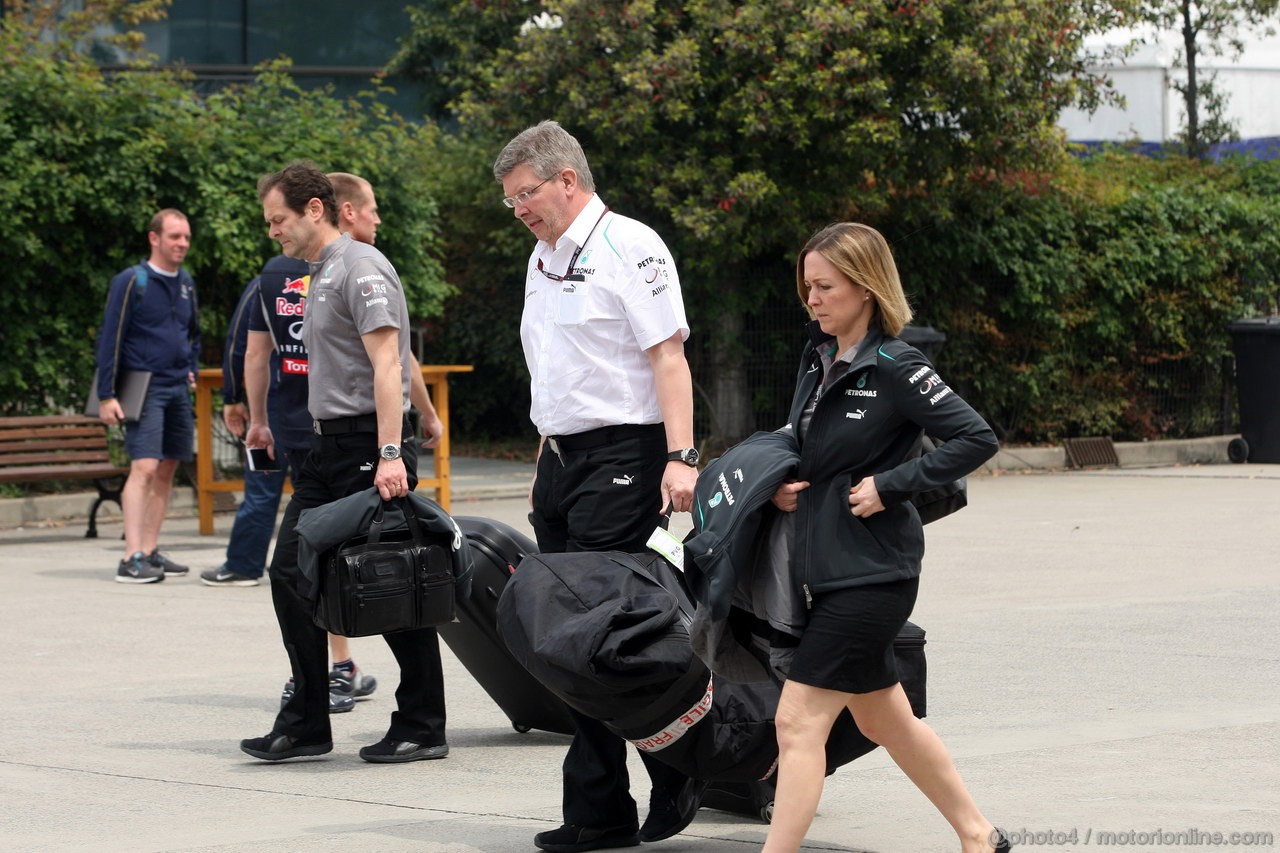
354, 290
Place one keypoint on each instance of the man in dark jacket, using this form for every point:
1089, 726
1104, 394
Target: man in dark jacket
287, 413
151, 324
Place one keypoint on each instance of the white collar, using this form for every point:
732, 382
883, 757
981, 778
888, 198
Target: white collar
580, 228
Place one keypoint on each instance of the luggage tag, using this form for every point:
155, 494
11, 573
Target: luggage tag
665, 543
571, 301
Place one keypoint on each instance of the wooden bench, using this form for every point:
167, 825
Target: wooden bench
60, 447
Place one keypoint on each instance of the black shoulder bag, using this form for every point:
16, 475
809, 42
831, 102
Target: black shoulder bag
940, 501
385, 581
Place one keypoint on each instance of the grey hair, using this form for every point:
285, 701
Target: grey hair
547, 148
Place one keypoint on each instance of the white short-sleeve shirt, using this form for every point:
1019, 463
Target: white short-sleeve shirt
585, 341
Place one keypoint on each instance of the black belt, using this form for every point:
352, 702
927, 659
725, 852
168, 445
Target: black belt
354, 423
601, 436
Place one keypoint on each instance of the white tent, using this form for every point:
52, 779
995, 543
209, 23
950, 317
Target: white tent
1154, 111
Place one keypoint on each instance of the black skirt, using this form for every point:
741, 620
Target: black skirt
848, 643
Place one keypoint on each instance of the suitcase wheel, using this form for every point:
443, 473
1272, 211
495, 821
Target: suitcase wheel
766, 812
1238, 450
521, 727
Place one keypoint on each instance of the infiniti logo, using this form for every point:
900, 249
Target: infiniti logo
295, 330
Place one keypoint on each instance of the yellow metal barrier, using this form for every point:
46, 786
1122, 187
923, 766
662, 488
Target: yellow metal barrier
436, 377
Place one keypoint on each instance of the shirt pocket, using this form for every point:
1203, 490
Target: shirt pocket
571, 303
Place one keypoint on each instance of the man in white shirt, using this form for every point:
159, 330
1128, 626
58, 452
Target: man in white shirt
603, 332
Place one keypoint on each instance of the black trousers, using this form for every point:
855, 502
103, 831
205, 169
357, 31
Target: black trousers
338, 466
601, 494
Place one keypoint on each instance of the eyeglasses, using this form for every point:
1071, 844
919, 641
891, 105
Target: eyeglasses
514, 201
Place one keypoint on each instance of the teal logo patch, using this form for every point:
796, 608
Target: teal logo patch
715, 500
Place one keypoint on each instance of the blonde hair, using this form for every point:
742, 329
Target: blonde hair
862, 255
350, 188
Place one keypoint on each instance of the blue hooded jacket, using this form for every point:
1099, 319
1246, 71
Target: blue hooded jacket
152, 323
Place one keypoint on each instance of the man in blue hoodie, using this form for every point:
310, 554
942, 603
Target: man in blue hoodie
152, 324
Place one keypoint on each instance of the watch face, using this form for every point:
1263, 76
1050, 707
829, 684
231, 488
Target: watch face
391, 451
688, 456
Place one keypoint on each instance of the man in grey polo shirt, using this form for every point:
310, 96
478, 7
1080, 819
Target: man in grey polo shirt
356, 330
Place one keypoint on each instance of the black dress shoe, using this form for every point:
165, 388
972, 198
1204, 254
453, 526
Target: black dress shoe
388, 751
670, 815
1000, 841
575, 839
274, 747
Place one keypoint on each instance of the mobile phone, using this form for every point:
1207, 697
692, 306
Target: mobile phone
259, 461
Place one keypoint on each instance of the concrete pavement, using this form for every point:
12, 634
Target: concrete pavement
1103, 657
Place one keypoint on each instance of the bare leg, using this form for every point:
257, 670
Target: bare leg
339, 649
157, 503
804, 719
885, 718
134, 500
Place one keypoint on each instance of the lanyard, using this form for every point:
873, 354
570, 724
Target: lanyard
574, 259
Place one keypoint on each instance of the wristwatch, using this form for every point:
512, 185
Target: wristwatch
390, 451
688, 456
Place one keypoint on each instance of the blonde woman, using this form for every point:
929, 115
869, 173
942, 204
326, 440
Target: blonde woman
862, 401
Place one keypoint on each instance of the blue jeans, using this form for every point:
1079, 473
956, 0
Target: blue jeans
256, 517
255, 522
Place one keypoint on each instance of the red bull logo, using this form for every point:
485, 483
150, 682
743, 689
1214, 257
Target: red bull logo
297, 285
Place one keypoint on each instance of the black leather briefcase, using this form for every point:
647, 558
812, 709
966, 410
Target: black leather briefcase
385, 581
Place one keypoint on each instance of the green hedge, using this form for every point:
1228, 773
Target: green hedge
1062, 302
1074, 304
89, 159
1062, 296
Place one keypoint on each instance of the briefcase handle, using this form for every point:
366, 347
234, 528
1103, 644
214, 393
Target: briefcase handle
410, 517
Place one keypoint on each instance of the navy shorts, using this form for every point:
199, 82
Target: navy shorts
166, 429
847, 644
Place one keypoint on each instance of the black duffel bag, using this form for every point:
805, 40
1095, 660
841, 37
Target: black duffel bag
940, 501
385, 581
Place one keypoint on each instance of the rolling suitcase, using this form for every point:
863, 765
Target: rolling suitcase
496, 549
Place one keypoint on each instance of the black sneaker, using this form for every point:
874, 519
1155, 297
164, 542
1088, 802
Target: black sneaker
138, 569
388, 751
221, 577
274, 747
169, 567
574, 839
339, 702
355, 684
670, 815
